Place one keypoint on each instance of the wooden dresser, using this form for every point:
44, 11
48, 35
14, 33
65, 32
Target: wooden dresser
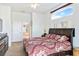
3, 44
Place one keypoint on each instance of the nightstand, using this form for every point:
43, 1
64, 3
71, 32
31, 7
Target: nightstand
26, 35
76, 52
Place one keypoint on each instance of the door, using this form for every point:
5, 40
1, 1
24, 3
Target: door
17, 31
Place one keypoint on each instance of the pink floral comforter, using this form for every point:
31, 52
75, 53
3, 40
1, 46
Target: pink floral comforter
43, 46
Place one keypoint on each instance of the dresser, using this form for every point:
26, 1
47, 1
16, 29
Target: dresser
3, 44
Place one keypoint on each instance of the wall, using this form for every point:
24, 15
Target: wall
19, 19
1, 22
5, 15
39, 21
38, 24
73, 22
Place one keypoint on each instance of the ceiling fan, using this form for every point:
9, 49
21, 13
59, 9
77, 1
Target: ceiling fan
34, 5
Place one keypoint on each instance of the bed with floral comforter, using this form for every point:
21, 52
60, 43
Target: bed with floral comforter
43, 46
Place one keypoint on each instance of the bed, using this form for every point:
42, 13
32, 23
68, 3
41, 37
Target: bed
59, 42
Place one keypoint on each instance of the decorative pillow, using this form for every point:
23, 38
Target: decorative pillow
67, 43
48, 35
52, 36
63, 38
57, 37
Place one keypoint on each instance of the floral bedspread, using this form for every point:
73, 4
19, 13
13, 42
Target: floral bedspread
43, 46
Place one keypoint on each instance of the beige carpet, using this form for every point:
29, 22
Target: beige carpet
16, 50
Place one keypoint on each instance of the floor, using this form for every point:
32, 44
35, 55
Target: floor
16, 50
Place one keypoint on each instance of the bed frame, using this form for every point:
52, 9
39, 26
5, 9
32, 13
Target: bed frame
70, 32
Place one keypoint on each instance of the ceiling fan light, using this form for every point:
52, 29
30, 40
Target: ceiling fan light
34, 5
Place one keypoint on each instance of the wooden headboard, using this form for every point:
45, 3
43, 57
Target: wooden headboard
62, 31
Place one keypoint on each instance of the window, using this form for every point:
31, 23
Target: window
62, 13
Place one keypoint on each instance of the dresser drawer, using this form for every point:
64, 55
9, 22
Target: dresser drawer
2, 52
2, 47
3, 44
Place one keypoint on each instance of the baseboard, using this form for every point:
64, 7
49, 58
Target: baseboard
16, 41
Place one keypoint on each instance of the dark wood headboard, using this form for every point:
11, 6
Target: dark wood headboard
62, 31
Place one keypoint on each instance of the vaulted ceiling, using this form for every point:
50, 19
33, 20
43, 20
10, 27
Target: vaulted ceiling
26, 7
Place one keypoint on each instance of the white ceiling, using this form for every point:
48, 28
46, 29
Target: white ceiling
26, 7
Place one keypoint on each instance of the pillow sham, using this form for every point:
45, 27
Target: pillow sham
63, 38
57, 37
52, 36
